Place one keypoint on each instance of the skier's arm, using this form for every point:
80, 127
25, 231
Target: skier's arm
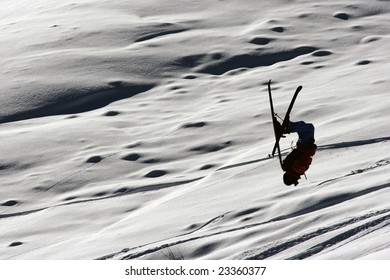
288, 161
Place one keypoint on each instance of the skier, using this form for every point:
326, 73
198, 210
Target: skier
298, 161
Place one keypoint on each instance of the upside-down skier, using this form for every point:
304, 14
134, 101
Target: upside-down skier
299, 159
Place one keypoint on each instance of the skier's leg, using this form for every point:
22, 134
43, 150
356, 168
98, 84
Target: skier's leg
305, 131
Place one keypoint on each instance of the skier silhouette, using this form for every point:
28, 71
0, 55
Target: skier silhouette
298, 161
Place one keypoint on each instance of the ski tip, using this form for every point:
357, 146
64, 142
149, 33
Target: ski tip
298, 89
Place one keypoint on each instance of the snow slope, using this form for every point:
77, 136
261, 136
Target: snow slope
141, 130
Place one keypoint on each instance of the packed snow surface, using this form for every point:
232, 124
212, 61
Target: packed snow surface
141, 129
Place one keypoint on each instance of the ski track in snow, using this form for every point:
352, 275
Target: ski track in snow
271, 250
144, 132
328, 202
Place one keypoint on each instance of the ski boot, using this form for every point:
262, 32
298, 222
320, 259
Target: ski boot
280, 130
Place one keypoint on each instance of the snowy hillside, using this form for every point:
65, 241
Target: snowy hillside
141, 129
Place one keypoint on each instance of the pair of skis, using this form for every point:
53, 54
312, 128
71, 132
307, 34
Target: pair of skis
279, 133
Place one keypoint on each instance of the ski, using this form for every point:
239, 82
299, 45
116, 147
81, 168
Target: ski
274, 121
285, 120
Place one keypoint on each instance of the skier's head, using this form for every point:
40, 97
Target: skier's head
290, 178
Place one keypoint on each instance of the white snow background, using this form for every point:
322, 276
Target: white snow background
141, 129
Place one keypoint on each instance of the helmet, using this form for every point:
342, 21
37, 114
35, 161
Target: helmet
290, 178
